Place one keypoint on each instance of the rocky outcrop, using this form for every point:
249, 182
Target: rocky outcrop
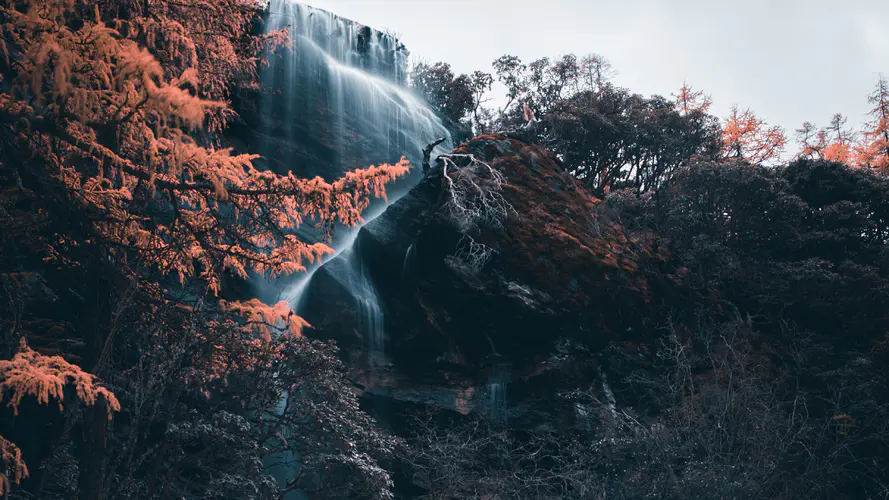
462, 329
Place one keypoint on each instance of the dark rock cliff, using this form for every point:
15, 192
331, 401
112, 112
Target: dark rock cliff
462, 330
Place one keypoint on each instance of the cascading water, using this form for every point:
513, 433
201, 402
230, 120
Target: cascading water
406, 267
494, 392
341, 95
341, 99
338, 102
609, 394
369, 312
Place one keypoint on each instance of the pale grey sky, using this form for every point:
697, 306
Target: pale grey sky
788, 60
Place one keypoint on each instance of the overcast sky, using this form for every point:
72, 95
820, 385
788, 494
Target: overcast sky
788, 60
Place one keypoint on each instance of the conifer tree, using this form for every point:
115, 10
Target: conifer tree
874, 148
839, 145
689, 100
812, 141
112, 175
745, 136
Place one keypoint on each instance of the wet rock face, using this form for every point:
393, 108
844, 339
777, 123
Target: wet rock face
481, 307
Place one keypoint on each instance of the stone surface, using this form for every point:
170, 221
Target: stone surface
558, 277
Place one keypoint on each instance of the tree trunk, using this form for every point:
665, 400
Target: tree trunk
93, 449
93, 453
427, 154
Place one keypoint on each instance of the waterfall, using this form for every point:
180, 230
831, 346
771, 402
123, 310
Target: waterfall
609, 394
338, 102
341, 103
341, 96
408, 262
370, 314
494, 392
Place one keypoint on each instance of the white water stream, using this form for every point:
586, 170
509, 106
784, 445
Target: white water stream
360, 74
344, 87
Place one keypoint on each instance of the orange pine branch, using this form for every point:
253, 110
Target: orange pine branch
45, 377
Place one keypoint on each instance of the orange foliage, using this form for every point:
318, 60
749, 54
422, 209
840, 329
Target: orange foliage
265, 319
874, 147
110, 114
835, 143
839, 146
120, 143
747, 136
874, 151
46, 376
831, 144
842, 153
688, 100
11, 457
